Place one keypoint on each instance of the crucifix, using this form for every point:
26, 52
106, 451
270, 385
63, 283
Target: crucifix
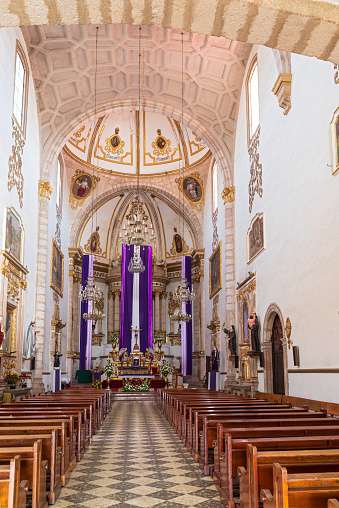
136, 331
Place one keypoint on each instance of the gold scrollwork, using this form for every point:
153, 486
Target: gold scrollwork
114, 144
15, 177
255, 185
336, 74
44, 189
161, 146
228, 194
179, 246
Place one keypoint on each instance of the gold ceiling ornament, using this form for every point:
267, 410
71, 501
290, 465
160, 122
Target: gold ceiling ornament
77, 134
44, 189
93, 243
288, 331
82, 185
114, 144
255, 185
15, 177
161, 145
192, 187
282, 89
179, 246
336, 74
228, 194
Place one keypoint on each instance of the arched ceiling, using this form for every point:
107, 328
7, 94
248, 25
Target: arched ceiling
63, 65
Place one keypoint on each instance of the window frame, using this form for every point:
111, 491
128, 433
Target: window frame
254, 63
19, 52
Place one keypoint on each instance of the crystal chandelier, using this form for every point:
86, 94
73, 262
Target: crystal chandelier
91, 294
183, 294
181, 316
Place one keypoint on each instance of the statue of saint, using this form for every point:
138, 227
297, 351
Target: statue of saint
215, 359
57, 359
232, 340
28, 347
253, 325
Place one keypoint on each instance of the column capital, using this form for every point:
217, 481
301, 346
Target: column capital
163, 295
44, 189
156, 292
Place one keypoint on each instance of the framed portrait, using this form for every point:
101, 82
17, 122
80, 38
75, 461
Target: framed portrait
215, 271
335, 141
255, 237
82, 185
193, 190
14, 234
57, 268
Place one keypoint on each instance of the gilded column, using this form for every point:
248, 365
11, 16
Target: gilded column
163, 312
110, 311
156, 310
41, 278
117, 310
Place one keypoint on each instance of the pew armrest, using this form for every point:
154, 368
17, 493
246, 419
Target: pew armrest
24, 485
266, 496
241, 471
215, 443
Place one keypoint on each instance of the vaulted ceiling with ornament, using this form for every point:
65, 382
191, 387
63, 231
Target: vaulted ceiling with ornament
63, 65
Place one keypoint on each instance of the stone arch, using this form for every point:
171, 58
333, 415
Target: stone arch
272, 311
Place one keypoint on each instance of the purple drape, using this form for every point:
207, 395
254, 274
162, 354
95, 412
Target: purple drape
126, 298
186, 326
145, 300
86, 326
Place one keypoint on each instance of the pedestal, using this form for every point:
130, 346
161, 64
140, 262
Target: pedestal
56, 379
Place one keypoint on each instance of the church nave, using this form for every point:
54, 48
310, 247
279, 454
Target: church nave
136, 459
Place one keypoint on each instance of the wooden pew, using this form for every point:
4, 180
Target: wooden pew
34, 413
50, 452
258, 474
12, 491
235, 455
63, 443
303, 490
332, 503
32, 468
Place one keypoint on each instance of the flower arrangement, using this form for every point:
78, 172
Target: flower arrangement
159, 337
130, 387
23, 378
109, 369
165, 369
113, 338
11, 377
97, 385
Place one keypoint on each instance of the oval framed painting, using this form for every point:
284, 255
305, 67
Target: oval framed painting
82, 185
193, 190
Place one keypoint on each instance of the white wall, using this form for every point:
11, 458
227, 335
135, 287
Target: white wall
299, 268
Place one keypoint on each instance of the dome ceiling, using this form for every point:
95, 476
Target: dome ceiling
63, 64
115, 142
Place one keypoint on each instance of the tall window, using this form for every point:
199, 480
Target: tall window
58, 187
215, 187
20, 81
253, 100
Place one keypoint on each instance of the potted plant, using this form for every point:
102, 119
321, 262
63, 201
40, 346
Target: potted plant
113, 339
11, 377
109, 371
23, 379
165, 370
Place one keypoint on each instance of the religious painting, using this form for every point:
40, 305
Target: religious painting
255, 237
161, 148
335, 141
114, 144
57, 268
93, 243
193, 190
82, 185
14, 234
215, 271
9, 342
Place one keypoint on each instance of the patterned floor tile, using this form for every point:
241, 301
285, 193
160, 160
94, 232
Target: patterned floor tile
136, 459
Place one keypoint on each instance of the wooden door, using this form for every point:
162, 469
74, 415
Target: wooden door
278, 357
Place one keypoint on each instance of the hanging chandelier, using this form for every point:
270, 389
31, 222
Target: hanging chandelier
137, 232
183, 294
181, 316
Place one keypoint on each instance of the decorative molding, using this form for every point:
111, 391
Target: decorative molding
15, 177
255, 185
282, 89
336, 74
288, 331
228, 194
249, 289
215, 241
16, 275
44, 189
57, 235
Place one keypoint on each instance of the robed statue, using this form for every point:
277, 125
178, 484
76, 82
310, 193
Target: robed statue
28, 347
253, 325
215, 359
232, 340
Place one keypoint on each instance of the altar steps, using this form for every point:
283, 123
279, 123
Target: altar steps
134, 396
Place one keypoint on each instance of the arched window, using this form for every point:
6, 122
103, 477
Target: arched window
20, 88
253, 99
214, 187
58, 186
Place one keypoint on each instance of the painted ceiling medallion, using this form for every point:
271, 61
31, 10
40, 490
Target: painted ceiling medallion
179, 246
82, 185
93, 243
161, 147
192, 187
114, 144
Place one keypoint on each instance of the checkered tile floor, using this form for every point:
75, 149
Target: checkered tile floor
136, 459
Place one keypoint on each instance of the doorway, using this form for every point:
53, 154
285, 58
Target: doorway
278, 357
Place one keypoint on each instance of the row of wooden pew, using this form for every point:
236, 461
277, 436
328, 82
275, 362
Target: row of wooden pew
42, 438
259, 452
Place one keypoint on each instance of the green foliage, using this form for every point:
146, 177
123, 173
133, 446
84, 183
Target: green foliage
97, 385
109, 368
113, 338
129, 387
165, 368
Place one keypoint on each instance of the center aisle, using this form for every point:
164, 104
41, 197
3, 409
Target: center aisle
136, 459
